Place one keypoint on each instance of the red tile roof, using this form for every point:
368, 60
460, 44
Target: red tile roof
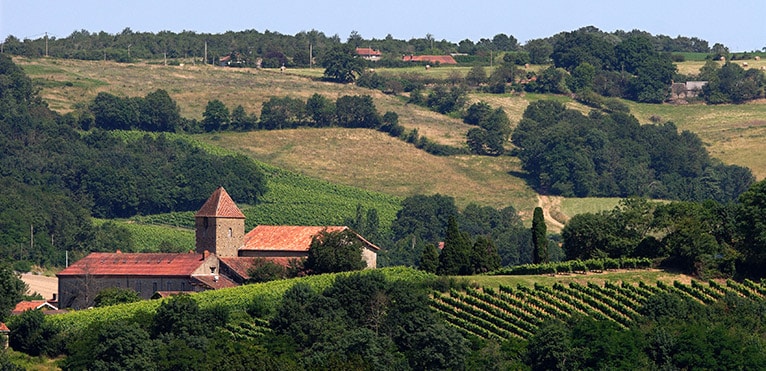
214, 282
4, 328
32, 305
135, 264
367, 52
441, 59
284, 237
220, 204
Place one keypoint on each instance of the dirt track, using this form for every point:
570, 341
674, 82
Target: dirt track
549, 204
43, 285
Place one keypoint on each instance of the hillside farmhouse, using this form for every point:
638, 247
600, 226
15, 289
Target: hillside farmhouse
221, 259
369, 54
686, 90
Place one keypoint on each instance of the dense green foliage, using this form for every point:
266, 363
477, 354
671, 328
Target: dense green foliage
115, 295
12, 290
611, 154
731, 83
707, 239
493, 131
155, 112
423, 220
366, 320
56, 177
33, 335
341, 63
335, 251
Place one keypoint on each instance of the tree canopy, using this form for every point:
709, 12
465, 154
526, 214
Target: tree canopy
612, 155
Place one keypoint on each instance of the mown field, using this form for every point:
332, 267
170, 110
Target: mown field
370, 160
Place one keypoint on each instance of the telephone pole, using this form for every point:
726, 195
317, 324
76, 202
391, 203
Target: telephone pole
46, 44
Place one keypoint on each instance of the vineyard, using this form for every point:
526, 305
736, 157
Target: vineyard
519, 311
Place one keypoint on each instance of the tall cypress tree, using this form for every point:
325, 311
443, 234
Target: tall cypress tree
456, 255
429, 259
539, 238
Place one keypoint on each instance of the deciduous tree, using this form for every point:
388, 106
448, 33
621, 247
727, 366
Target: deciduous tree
12, 290
341, 64
337, 251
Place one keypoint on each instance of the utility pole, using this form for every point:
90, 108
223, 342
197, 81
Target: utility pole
46, 44
311, 55
205, 60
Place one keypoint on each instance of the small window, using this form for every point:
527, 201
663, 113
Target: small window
138, 287
229, 232
154, 287
169, 286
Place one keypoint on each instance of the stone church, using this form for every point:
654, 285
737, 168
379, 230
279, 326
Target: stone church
223, 254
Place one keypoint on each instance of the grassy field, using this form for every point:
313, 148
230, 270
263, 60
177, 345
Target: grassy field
372, 160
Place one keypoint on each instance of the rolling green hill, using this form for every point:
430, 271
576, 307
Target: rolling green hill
366, 159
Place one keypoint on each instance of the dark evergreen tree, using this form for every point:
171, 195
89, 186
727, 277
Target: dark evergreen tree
539, 237
455, 257
12, 290
484, 255
429, 259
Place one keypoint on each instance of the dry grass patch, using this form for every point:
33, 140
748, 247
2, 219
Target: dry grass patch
733, 133
693, 67
375, 161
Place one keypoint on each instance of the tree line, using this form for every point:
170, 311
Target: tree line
276, 49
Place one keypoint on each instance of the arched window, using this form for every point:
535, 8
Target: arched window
229, 232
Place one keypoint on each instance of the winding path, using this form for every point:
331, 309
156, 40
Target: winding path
548, 203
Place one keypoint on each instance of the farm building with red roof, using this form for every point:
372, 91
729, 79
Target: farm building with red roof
369, 54
223, 255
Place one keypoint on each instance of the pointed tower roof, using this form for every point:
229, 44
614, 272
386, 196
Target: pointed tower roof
220, 205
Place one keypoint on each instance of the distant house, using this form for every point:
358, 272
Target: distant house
223, 255
26, 305
440, 59
686, 90
369, 54
232, 60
